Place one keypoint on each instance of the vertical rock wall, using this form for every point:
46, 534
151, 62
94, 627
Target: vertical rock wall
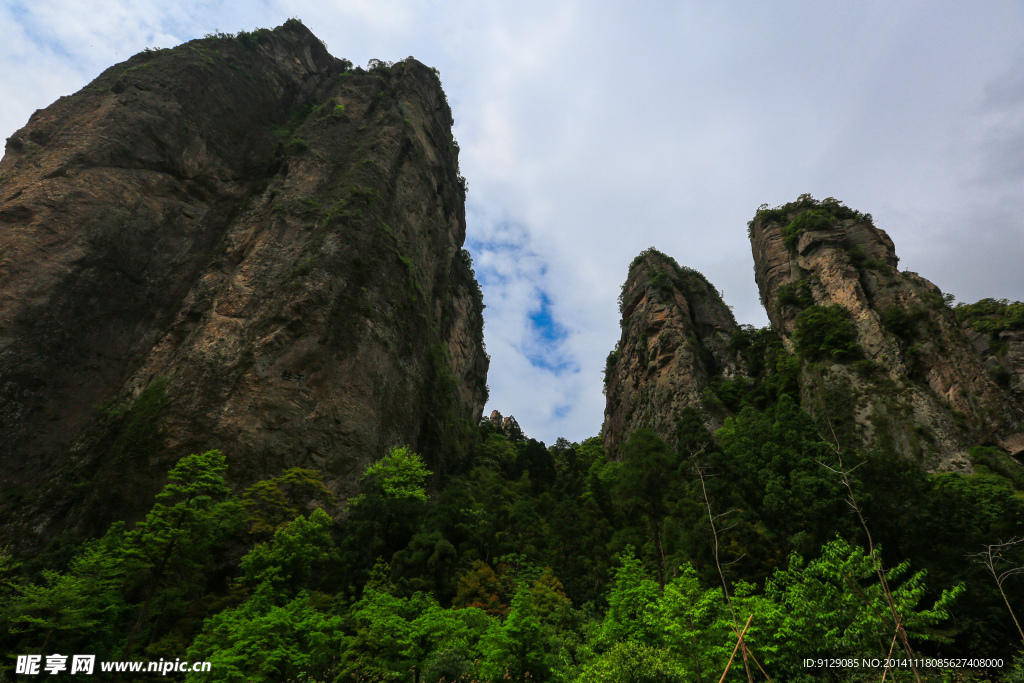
675, 337
917, 385
879, 358
240, 244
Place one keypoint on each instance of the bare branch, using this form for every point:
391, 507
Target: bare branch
883, 581
991, 558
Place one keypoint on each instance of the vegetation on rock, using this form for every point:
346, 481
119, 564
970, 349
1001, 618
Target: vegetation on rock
991, 315
826, 333
728, 506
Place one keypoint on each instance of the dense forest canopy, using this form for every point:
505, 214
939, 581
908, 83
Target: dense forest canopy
529, 562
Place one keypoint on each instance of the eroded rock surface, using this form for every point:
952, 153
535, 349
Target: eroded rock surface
917, 384
233, 244
675, 337
876, 354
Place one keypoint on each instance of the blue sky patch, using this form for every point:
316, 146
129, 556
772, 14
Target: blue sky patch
544, 326
543, 348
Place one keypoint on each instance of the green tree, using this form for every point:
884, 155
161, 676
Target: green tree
271, 503
394, 635
520, 647
386, 514
833, 606
158, 570
260, 641
284, 628
80, 607
287, 565
548, 596
169, 550
688, 620
648, 485
576, 524
768, 473
633, 662
399, 475
826, 333
447, 639
383, 645
632, 598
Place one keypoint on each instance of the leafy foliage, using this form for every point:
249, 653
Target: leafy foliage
991, 315
138, 431
272, 503
77, 607
901, 322
535, 563
796, 294
398, 475
644, 485
826, 333
632, 662
831, 606
812, 220
827, 211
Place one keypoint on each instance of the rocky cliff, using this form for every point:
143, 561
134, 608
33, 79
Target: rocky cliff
675, 337
876, 355
239, 243
996, 329
883, 342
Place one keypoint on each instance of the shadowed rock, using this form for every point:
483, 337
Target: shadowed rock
675, 337
239, 244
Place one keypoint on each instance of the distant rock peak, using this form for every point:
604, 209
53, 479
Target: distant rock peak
675, 337
507, 426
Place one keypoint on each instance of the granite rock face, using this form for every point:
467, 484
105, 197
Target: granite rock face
916, 384
238, 243
877, 355
675, 338
508, 426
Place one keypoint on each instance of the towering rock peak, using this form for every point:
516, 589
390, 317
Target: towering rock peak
792, 243
885, 340
238, 243
675, 338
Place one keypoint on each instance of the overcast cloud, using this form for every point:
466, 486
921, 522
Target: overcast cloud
592, 130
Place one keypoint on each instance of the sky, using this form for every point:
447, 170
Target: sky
593, 130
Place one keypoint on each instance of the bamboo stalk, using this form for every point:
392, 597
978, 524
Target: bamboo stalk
738, 643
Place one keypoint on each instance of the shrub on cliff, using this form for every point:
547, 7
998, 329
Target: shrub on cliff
901, 321
830, 208
826, 333
808, 221
992, 315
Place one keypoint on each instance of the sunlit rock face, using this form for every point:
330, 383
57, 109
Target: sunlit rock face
916, 384
675, 338
239, 243
874, 354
